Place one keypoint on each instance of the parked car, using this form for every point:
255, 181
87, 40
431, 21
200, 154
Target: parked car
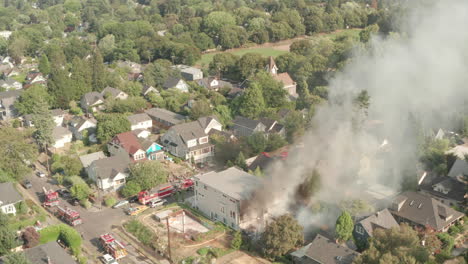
120, 203
108, 259
75, 201
156, 202
133, 199
65, 193
136, 210
27, 184
40, 174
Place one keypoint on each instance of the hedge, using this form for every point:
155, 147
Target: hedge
62, 232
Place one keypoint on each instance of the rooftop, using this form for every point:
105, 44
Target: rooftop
138, 118
189, 131
234, 182
60, 132
52, 250
459, 168
111, 166
381, 219
129, 142
171, 82
8, 193
87, 159
113, 91
165, 115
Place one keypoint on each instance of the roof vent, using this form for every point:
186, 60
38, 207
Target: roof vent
411, 203
420, 205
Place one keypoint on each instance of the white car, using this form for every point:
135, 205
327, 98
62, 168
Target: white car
40, 174
156, 202
108, 259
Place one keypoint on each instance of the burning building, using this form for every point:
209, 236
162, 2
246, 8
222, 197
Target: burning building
221, 195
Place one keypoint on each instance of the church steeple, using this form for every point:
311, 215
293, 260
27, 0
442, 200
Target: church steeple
272, 69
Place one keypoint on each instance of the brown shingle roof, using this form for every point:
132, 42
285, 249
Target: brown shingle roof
129, 142
284, 78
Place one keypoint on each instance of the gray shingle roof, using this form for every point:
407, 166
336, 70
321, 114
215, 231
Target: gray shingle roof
246, 122
10, 94
8, 193
59, 132
460, 167
78, 121
234, 182
57, 112
205, 121
425, 210
171, 82
87, 159
166, 115
111, 166
40, 254
113, 91
325, 251
92, 97
137, 118
381, 219
189, 131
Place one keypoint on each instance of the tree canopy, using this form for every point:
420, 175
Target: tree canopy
281, 236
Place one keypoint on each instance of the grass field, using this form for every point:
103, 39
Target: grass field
265, 51
275, 50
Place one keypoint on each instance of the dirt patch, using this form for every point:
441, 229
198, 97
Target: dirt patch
239, 257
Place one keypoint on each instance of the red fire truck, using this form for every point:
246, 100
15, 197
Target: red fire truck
50, 198
162, 191
112, 246
69, 215
185, 184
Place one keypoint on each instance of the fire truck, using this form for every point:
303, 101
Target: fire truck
50, 198
162, 191
185, 184
112, 246
69, 215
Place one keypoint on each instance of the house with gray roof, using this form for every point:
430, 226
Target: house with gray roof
448, 190
364, 229
148, 89
9, 196
49, 253
87, 159
92, 101
140, 121
219, 195
459, 169
176, 83
164, 118
7, 101
424, 211
61, 136
81, 126
190, 73
213, 83
109, 173
57, 114
323, 251
189, 141
114, 93
10, 84
245, 127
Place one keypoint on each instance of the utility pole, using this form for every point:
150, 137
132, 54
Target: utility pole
168, 240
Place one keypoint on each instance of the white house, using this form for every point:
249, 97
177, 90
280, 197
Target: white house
140, 121
61, 136
10, 84
9, 196
5, 34
79, 124
115, 93
219, 195
176, 83
109, 173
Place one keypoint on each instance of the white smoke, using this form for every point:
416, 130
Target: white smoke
419, 75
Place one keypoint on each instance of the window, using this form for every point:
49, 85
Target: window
359, 229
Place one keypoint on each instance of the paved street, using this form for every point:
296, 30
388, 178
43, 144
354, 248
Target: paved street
96, 221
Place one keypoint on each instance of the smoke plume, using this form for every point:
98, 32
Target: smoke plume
415, 79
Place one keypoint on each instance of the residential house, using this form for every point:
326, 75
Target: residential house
364, 229
7, 101
92, 101
459, 169
189, 141
35, 78
141, 133
190, 73
176, 83
147, 89
109, 173
164, 118
245, 127
80, 126
114, 93
5, 34
61, 136
424, 211
9, 196
459, 151
48, 253
288, 84
10, 84
219, 195
263, 161
448, 190
140, 121
213, 83
323, 251
210, 123
126, 144
11, 72
153, 150
57, 114
87, 159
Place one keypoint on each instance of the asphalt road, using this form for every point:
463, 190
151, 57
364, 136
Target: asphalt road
96, 221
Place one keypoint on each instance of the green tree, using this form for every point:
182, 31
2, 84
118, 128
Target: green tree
344, 226
240, 161
8, 239
44, 65
80, 191
59, 87
16, 258
215, 21
273, 93
366, 33
258, 142
131, 188
274, 142
148, 174
44, 124
250, 64
281, 236
236, 241
80, 78
251, 103
309, 186
199, 109
29, 98
433, 155
98, 72
295, 125
16, 151
110, 125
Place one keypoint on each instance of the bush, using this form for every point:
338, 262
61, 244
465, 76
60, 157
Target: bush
453, 230
21, 208
30, 237
236, 241
141, 232
130, 189
203, 251
110, 201
86, 203
67, 234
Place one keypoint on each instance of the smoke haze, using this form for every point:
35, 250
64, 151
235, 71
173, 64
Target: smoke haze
415, 79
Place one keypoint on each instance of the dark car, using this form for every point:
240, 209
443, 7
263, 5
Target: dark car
27, 184
64, 193
133, 199
74, 201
